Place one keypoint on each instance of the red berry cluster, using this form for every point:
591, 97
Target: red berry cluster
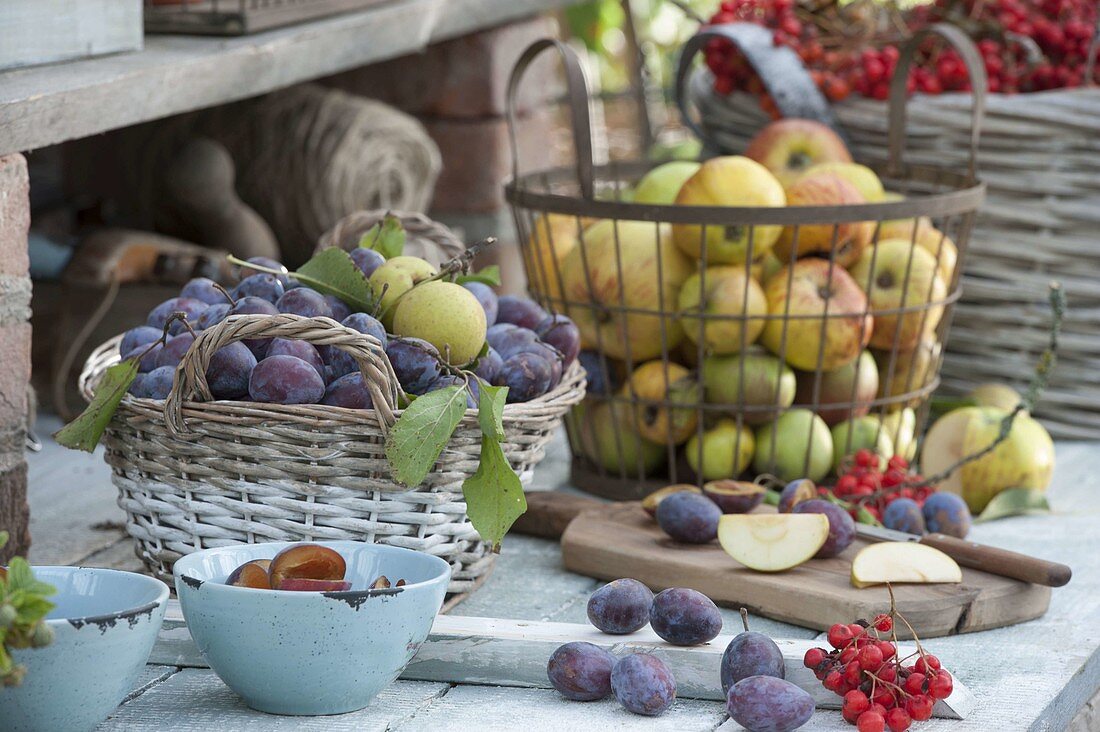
867, 481
880, 690
1026, 45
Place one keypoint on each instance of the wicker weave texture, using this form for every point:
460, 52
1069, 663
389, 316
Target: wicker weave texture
194, 474
1040, 159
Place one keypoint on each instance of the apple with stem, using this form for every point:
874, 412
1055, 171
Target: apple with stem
790, 147
734, 306
897, 274
845, 240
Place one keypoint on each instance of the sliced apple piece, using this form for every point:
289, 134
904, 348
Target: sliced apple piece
901, 561
772, 542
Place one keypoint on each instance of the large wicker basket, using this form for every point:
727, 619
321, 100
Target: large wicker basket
194, 473
1039, 160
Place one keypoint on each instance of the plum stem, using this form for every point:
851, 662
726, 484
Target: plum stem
745, 618
222, 290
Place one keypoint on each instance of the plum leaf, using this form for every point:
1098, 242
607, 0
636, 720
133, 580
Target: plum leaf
418, 437
487, 276
332, 272
1014, 502
494, 494
490, 409
83, 433
387, 238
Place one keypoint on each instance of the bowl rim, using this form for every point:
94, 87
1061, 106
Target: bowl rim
163, 592
443, 576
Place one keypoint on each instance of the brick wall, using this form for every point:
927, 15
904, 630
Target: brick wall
457, 89
15, 346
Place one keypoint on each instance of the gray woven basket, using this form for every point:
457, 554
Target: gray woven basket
194, 473
1039, 160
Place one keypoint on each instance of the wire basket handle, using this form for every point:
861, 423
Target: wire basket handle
779, 68
979, 83
577, 88
190, 379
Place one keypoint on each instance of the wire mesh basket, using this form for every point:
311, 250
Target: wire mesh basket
726, 342
239, 17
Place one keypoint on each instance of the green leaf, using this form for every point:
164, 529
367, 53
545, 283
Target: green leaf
490, 409
20, 576
421, 433
1015, 502
387, 238
83, 433
3, 539
33, 608
332, 272
488, 276
494, 494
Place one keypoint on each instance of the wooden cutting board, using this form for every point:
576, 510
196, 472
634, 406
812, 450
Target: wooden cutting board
621, 540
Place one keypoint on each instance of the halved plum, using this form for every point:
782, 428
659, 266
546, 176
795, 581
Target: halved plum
251, 574
306, 561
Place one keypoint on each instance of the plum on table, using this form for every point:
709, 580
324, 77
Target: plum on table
904, 514
947, 513
643, 684
750, 654
768, 704
620, 607
581, 671
684, 617
690, 518
842, 528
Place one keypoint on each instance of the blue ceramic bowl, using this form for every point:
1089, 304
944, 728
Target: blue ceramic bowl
311, 652
104, 625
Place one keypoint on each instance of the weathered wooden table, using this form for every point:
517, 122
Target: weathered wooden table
1040, 675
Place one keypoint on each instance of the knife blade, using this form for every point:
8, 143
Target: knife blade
979, 556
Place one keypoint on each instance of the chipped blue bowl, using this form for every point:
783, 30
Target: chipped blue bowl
105, 623
311, 653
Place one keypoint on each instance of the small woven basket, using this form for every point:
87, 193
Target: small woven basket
193, 473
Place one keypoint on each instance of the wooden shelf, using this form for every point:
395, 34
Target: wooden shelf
173, 74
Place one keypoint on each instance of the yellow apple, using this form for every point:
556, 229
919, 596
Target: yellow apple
901, 426
552, 237
860, 176
608, 436
912, 371
729, 181
758, 385
631, 265
726, 451
921, 231
654, 383
772, 542
444, 314
858, 434
995, 395
1024, 460
394, 278
734, 304
790, 147
888, 288
765, 266
848, 239
842, 393
661, 185
797, 445
805, 290
900, 561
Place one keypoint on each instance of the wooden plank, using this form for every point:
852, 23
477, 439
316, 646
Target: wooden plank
174, 74
46, 31
621, 540
195, 700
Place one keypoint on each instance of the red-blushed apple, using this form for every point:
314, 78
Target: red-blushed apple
649, 503
734, 496
790, 147
608, 435
797, 445
652, 385
314, 585
841, 394
863, 178
901, 561
772, 542
798, 297
754, 384
725, 451
631, 265
897, 274
907, 372
734, 304
661, 185
921, 231
733, 181
848, 239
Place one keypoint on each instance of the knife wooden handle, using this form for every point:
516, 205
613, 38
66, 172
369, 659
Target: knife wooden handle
1000, 561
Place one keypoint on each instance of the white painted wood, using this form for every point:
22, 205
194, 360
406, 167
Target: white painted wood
44, 31
173, 74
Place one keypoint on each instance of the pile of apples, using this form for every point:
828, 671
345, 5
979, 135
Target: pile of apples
778, 338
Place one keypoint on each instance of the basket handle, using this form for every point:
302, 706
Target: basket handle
190, 380
899, 94
577, 88
779, 68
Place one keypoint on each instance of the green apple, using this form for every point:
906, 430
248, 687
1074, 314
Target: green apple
734, 304
756, 380
859, 434
797, 445
726, 451
662, 184
654, 386
853, 384
772, 542
993, 394
609, 437
396, 277
444, 314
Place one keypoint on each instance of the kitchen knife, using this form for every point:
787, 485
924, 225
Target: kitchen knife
978, 556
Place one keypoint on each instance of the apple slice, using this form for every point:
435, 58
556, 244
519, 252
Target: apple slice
772, 542
902, 561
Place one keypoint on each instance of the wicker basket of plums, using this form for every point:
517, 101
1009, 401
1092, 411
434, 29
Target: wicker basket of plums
268, 411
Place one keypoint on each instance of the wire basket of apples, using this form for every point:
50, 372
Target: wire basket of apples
769, 312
